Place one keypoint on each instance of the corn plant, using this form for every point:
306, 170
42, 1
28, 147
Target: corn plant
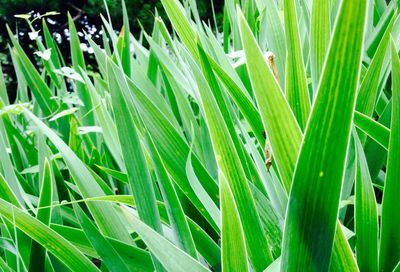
273, 145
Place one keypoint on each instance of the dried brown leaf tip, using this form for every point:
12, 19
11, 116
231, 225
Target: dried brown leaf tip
270, 57
121, 34
268, 155
267, 152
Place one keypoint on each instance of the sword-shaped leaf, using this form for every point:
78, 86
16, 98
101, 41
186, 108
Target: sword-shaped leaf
314, 198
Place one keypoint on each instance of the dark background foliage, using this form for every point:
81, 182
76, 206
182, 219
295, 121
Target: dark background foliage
86, 14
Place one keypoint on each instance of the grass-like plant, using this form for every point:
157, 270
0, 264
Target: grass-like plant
271, 146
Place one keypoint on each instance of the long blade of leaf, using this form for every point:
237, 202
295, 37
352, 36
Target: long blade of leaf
296, 80
314, 198
389, 252
229, 164
320, 37
279, 125
234, 257
366, 215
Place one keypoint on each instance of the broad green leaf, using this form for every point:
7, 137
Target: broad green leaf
105, 120
226, 110
272, 223
314, 197
6, 192
205, 199
115, 174
376, 154
373, 39
205, 245
4, 266
138, 173
51, 44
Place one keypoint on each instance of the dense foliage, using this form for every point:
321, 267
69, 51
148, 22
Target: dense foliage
272, 145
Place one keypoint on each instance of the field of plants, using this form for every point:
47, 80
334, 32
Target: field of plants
271, 143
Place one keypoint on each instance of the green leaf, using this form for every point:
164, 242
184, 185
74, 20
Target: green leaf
105, 120
6, 192
373, 129
389, 253
78, 62
205, 199
296, 79
64, 113
181, 24
279, 124
230, 166
244, 103
125, 52
273, 30
115, 174
366, 215
38, 254
234, 256
369, 89
342, 255
3, 90
314, 198
319, 38
171, 145
176, 214
137, 259
138, 173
